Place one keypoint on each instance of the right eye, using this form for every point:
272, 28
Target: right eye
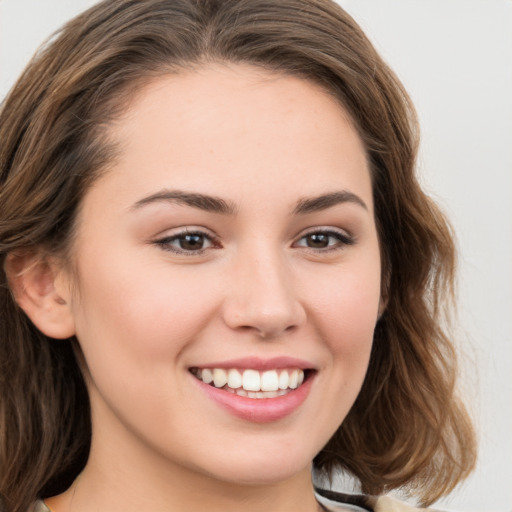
325, 239
187, 242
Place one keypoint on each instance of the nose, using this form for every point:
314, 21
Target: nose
262, 297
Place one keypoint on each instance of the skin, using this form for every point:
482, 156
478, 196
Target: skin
145, 314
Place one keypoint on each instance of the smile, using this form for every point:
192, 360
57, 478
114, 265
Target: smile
252, 383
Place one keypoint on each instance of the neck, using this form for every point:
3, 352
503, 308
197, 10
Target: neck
121, 480
126, 473
97, 492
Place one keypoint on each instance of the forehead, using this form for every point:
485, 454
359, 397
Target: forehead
224, 126
218, 78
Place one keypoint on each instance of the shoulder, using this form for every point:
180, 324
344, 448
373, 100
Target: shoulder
359, 503
388, 504
39, 506
338, 502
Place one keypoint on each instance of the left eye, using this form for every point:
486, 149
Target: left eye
186, 242
324, 240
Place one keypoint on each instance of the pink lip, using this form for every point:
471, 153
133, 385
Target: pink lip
256, 363
264, 410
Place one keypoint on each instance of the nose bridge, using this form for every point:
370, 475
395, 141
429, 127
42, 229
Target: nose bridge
262, 294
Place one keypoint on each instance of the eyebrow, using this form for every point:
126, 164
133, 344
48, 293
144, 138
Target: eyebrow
319, 203
217, 205
195, 200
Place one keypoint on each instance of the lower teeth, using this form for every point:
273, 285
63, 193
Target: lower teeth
256, 394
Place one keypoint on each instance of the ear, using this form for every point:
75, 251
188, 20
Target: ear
40, 288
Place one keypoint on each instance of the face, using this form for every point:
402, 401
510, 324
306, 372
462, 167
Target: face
233, 240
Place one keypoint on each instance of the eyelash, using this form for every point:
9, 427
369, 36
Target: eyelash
342, 240
165, 243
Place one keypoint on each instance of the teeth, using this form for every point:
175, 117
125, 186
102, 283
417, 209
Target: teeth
294, 378
283, 379
252, 383
234, 379
207, 376
269, 381
220, 378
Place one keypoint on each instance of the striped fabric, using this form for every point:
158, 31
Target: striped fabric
333, 502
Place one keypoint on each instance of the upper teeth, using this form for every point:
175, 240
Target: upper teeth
252, 380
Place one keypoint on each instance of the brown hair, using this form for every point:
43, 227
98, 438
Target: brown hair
407, 427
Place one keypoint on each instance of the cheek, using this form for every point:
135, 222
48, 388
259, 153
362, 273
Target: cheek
346, 308
136, 313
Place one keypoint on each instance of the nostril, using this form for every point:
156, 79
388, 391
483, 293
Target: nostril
266, 303
272, 333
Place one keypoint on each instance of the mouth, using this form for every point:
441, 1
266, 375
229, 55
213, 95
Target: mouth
251, 383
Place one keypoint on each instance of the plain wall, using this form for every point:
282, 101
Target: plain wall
455, 58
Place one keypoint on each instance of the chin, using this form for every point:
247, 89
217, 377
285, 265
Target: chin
251, 469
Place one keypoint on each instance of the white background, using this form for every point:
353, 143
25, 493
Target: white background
455, 58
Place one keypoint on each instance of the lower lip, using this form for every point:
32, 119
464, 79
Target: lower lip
258, 410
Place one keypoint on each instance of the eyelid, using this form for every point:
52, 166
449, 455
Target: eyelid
164, 241
344, 237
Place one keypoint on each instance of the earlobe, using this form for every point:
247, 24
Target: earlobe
37, 289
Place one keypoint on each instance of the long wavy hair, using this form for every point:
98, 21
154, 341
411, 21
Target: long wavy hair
407, 428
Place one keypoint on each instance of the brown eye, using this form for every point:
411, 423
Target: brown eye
193, 242
186, 243
317, 240
324, 240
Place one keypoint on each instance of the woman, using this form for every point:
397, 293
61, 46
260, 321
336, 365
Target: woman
219, 268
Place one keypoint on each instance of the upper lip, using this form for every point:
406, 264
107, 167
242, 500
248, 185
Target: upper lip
256, 363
